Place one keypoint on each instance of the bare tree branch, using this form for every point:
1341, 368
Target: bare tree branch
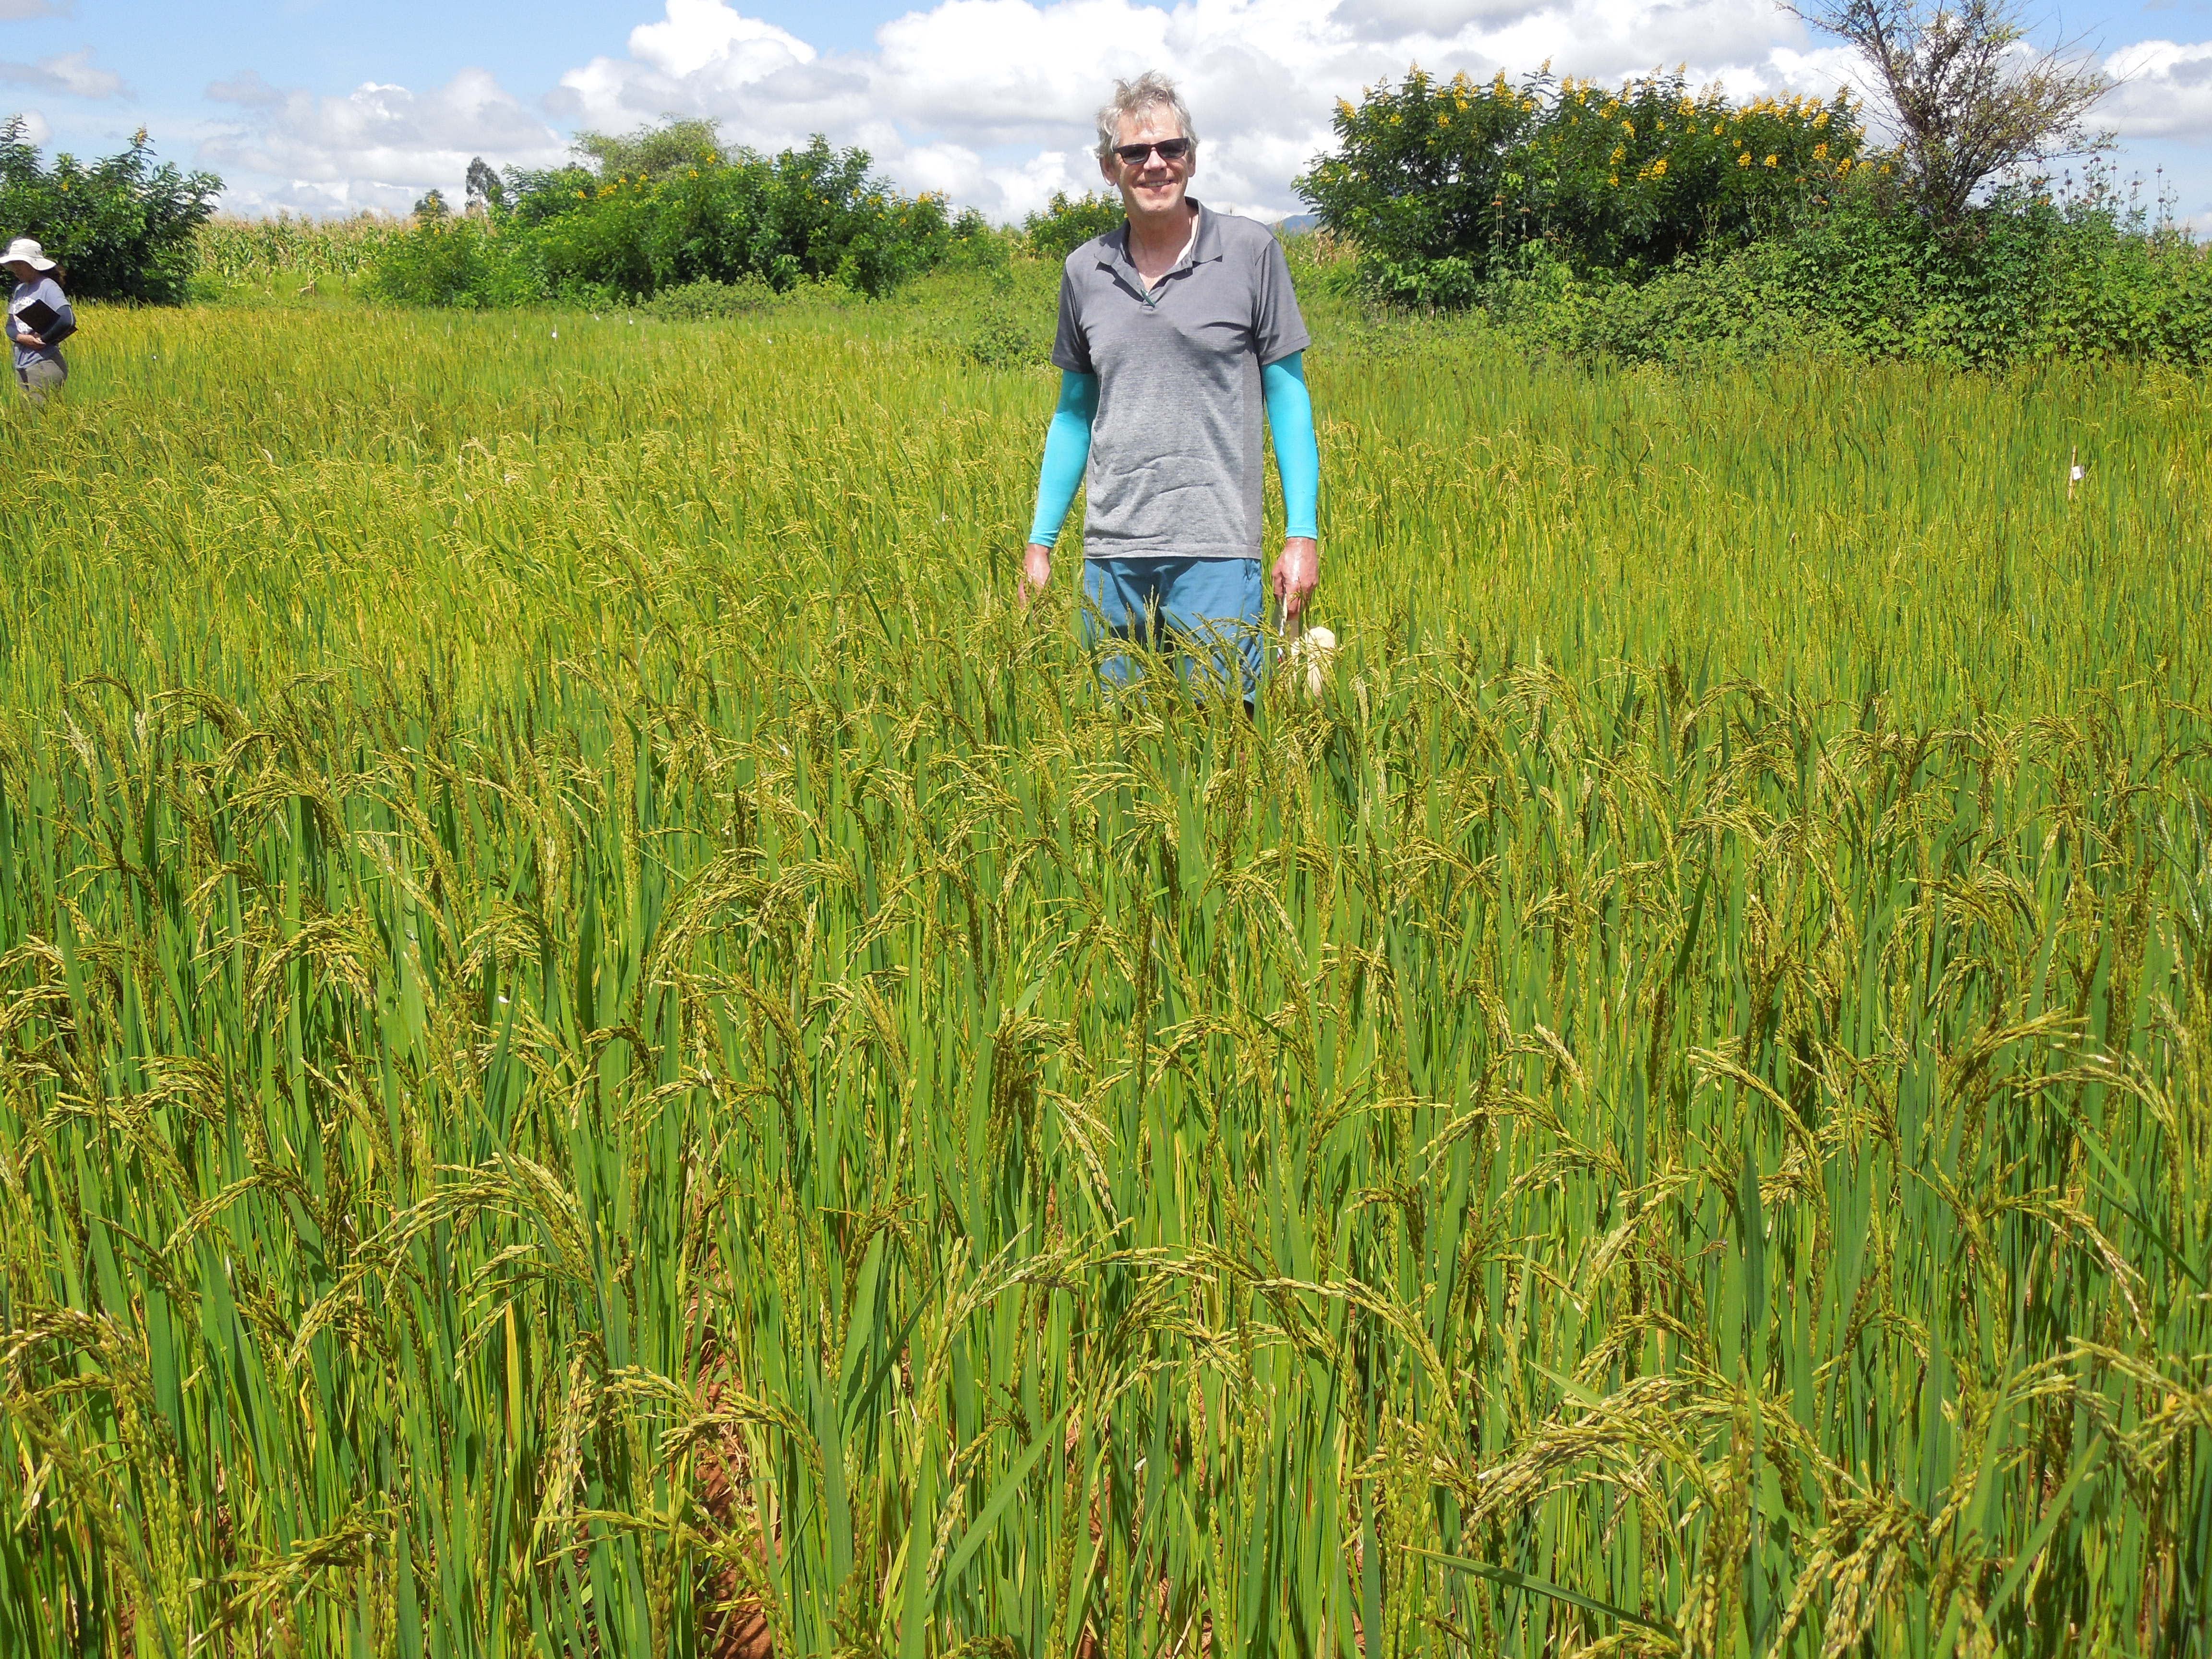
1970, 98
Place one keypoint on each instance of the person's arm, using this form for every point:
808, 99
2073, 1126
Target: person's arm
64, 323
1298, 454
1298, 461
1067, 452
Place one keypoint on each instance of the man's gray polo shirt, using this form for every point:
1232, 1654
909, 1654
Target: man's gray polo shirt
1175, 447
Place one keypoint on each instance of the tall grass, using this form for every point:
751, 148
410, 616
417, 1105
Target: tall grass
601, 1041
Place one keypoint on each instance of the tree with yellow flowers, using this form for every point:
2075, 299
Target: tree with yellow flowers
1442, 182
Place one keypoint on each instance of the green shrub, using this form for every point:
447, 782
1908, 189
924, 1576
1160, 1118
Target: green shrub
675, 146
700, 215
1440, 183
456, 262
2110, 293
1731, 309
2021, 278
1001, 332
707, 299
979, 248
1067, 222
121, 227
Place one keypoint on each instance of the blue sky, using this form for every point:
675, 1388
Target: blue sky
320, 106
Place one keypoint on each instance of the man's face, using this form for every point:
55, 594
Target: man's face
1154, 184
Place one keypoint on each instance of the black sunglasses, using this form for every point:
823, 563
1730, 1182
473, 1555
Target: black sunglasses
1171, 149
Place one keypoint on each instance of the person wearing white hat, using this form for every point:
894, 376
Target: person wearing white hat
39, 366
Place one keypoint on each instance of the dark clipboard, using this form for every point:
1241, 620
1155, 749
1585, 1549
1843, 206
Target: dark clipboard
38, 316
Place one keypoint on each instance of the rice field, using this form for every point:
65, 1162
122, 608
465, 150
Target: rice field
604, 1051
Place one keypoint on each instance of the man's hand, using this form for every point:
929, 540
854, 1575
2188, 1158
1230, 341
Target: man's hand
30, 339
1298, 572
1036, 573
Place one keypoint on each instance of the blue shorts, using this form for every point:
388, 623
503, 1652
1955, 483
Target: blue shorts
1209, 612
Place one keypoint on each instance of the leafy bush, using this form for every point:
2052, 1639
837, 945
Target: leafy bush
1003, 332
706, 300
121, 227
1067, 222
982, 249
2114, 291
455, 262
675, 146
693, 213
2021, 277
1440, 183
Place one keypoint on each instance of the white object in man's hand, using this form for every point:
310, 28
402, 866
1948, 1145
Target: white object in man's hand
1313, 649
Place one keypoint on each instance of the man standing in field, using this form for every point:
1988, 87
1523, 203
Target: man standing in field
1177, 331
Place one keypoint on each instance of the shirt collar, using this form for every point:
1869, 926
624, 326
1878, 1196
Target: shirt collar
1204, 244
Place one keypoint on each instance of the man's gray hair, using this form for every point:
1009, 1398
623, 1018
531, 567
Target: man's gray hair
1150, 91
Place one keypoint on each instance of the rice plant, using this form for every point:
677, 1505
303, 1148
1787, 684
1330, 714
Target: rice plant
604, 1051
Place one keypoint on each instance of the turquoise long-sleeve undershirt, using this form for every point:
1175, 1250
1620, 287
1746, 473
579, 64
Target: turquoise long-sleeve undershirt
1290, 418
1297, 456
1066, 453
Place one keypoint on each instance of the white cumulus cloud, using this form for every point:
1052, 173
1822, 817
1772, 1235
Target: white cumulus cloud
377, 146
71, 73
701, 56
2164, 91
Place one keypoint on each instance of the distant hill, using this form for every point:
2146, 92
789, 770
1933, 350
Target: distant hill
1298, 222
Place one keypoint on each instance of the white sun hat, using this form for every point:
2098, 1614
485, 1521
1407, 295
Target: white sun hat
29, 252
